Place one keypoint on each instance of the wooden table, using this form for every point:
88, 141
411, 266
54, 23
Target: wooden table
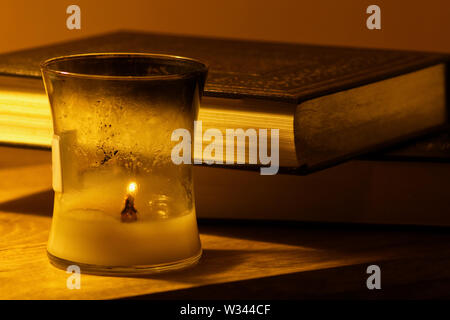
242, 260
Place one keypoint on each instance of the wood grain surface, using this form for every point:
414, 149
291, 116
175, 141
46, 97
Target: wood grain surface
241, 259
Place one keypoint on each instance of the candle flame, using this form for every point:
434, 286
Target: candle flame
132, 187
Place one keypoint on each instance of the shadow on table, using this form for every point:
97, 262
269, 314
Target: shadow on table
213, 261
402, 279
220, 261
40, 203
326, 236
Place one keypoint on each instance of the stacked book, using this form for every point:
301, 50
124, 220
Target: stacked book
363, 133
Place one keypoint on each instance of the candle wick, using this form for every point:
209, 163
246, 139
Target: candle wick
129, 212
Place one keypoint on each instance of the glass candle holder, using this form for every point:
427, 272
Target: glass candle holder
121, 205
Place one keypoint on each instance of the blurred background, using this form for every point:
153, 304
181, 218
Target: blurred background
406, 24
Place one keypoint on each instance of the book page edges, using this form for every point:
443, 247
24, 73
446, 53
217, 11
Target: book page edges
25, 117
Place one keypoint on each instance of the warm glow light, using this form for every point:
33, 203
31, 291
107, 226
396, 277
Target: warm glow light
132, 187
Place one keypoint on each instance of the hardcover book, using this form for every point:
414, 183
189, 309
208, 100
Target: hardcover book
329, 103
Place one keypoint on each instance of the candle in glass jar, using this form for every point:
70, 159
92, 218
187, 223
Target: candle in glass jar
88, 226
121, 204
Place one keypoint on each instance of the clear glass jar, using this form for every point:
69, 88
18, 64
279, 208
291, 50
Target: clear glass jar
121, 205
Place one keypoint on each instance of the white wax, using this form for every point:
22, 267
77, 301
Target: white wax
87, 226
96, 238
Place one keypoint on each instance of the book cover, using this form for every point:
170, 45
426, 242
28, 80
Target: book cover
264, 70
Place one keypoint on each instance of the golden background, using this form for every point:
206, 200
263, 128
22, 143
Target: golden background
414, 25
